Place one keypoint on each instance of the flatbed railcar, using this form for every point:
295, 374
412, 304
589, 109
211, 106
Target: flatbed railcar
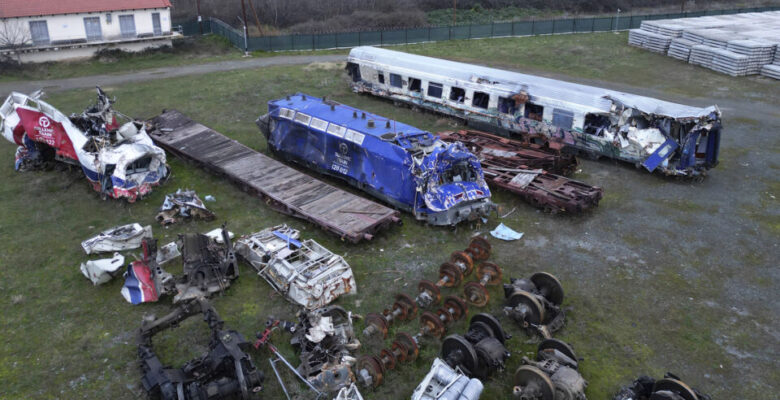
671, 138
411, 169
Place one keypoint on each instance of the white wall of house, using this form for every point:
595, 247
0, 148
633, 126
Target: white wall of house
71, 26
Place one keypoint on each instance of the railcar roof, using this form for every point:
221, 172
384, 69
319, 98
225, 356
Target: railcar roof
583, 95
346, 116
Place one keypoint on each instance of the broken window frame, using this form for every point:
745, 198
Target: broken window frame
563, 118
480, 100
415, 85
530, 111
509, 103
457, 94
380, 76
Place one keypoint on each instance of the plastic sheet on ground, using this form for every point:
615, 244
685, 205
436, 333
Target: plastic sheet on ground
504, 232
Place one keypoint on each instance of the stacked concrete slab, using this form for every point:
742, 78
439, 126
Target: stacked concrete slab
737, 44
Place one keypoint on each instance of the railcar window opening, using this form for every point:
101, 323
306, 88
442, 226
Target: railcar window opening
457, 94
459, 172
381, 77
481, 100
563, 118
534, 111
507, 105
395, 80
415, 85
596, 124
435, 89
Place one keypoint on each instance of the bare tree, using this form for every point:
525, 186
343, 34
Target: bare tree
14, 35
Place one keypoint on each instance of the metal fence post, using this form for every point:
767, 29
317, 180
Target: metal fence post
492, 28
406, 36
312, 41
592, 24
360, 42
429, 33
533, 26
513, 28
449, 32
381, 38
469, 31
336, 36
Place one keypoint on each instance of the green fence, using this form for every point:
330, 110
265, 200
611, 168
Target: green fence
437, 33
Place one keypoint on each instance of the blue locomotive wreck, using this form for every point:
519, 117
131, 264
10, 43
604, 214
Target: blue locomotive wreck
411, 169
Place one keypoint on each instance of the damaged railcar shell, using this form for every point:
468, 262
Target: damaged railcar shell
674, 139
118, 161
411, 169
304, 271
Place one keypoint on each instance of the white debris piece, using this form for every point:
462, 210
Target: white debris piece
443, 382
504, 232
349, 393
101, 271
167, 253
304, 271
216, 235
118, 238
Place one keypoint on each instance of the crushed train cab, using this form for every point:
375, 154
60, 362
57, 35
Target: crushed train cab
411, 169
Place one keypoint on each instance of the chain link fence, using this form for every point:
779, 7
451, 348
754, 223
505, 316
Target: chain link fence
323, 41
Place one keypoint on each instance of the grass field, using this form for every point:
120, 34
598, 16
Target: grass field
663, 276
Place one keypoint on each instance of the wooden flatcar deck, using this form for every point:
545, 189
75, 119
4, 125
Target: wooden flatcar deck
287, 190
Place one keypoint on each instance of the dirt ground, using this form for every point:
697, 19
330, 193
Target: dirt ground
666, 275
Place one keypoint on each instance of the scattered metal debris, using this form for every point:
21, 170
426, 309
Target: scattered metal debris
209, 268
674, 139
413, 170
444, 382
348, 216
553, 376
480, 352
669, 388
504, 232
103, 270
349, 393
184, 204
304, 271
118, 238
533, 172
119, 161
535, 303
224, 371
167, 253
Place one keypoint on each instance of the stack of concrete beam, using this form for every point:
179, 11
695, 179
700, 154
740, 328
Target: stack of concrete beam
772, 70
737, 44
649, 40
759, 52
680, 48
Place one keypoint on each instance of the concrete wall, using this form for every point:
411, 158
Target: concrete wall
71, 26
83, 51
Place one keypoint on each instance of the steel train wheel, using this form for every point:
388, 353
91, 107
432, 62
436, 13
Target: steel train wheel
453, 273
492, 323
374, 366
462, 260
534, 309
476, 294
674, 386
457, 305
432, 324
457, 351
556, 344
405, 341
379, 321
430, 287
549, 286
492, 270
532, 383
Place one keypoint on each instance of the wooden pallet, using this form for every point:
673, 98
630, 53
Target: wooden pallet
287, 190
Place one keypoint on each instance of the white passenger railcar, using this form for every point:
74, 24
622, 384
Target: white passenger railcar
659, 135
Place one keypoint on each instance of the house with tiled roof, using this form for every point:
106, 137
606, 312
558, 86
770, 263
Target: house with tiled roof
46, 30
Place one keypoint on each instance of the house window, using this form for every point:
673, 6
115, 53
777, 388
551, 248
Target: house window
156, 24
39, 32
395, 80
534, 111
563, 118
434, 90
414, 85
92, 28
507, 105
108, 18
381, 78
127, 26
480, 100
457, 94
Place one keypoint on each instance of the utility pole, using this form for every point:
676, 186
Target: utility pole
200, 19
454, 12
246, 33
617, 21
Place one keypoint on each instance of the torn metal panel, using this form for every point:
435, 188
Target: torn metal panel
517, 167
590, 120
145, 280
167, 253
183, 205
103, 270
303, 271
225, 370
406, 167
119, 160
349, 393
445, 382
124, 237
